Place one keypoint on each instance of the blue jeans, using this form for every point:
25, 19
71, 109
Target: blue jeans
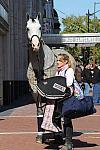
96, 93
87, 89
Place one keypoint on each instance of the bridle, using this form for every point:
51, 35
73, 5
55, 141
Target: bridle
30, 41
38, 57
34, 36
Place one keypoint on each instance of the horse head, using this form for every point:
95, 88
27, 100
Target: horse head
34, 32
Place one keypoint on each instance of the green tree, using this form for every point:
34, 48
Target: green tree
73, 24
98, 53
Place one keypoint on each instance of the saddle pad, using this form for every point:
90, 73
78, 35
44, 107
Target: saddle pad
53, 88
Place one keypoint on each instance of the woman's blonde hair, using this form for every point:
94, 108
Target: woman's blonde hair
65, 58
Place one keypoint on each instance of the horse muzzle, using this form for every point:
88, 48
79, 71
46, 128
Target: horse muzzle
35, 49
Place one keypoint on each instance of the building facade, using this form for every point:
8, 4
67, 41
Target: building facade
13, 43
13, 51
4, 28
50, 18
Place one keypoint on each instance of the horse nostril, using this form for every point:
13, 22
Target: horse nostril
33, 45
38, 45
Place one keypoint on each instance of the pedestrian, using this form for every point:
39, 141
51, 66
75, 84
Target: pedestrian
95, 70
78, 76
87, 79
63, 69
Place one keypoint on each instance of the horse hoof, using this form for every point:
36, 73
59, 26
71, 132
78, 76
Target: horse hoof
67, 146
39, 139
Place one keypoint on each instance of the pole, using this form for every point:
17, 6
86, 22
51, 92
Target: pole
94, 50
94, 18
88, 20
95, 3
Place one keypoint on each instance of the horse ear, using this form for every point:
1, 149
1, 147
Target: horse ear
38, 16
27, 16
32, 19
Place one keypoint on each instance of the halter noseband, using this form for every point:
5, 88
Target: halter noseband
36, 36
40, 40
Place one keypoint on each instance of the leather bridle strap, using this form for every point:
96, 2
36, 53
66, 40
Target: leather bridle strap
36, 36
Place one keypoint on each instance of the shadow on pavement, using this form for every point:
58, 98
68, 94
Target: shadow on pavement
77, 133
25, 100
2, 119
58, 143
53, 141
80, 144
54, 145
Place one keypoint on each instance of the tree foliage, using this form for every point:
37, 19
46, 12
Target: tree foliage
73, 24
81, 24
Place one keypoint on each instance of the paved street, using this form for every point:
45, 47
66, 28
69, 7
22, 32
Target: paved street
18, 129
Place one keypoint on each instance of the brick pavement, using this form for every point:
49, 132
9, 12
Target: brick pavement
18, 129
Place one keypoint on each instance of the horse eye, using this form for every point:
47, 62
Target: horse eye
27, 29
40, 28
33, 20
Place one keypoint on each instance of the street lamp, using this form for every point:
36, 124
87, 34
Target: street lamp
88, 15
95, 3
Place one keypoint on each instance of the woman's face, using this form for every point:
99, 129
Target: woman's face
60, 62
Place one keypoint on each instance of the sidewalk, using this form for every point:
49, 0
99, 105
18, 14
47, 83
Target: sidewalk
18, 128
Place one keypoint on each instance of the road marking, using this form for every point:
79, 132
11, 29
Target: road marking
95, 115
18, 133
92, 133
92, 137
87, 131
34, 116
21, 116
18, 116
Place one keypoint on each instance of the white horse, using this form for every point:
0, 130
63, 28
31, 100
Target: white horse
42, 60
34, 32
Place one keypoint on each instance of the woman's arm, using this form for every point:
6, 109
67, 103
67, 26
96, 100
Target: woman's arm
69, 77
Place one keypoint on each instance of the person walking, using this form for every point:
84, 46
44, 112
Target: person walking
95, 70
64, 69
87, 79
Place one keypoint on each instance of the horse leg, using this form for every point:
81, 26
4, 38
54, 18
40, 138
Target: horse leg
39, 105
38, 101
33, 82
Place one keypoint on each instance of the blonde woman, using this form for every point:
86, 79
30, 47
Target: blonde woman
63, 69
